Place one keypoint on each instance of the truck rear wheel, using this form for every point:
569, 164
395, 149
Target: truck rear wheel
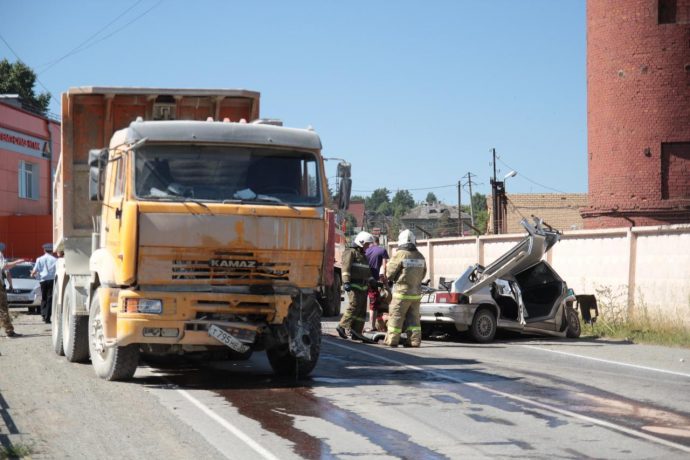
332, 307
74, 329
110, 363
56, 326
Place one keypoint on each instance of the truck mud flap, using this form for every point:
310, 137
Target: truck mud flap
304, 328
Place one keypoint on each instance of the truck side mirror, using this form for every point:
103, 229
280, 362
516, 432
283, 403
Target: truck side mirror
345, 187
98, 158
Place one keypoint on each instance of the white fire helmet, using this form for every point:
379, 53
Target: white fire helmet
406, 237
363, 238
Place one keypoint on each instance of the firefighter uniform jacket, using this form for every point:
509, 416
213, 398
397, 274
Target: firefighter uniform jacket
355, 267
407, 270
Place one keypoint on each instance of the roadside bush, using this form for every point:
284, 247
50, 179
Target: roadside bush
638, 325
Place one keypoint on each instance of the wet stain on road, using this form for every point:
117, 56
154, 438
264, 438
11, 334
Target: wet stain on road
276, 409
483, 419
590, 401
277, 403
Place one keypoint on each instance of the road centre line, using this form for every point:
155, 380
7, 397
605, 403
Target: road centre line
617, 363
547, 407
227, 425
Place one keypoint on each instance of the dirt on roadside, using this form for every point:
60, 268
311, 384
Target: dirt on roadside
50, 408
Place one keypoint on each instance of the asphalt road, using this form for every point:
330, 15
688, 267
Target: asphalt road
518, 398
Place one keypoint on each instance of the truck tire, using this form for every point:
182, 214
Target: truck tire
483, 328
286, 365
280, 357
109, 363
56, 326
332, 307
74, 329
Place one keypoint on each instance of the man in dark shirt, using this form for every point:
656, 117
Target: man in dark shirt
377, 257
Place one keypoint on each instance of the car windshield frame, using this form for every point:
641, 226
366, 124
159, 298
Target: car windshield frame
21, 272
211, 173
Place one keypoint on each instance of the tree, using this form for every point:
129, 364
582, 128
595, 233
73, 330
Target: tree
431, 198
444, 225
350, 223
378, 200
402, 202
481, 212
18, 78
481, 218
479, 202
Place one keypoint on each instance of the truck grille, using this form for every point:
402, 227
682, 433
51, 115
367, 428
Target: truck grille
227, 267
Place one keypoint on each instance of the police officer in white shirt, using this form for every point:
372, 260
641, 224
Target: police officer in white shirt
44, 271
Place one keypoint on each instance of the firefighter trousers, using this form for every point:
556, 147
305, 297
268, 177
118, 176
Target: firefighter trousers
404, 312
356, 312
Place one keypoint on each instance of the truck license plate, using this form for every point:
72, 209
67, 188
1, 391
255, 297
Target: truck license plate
227, 339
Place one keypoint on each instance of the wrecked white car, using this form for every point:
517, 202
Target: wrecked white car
518, 292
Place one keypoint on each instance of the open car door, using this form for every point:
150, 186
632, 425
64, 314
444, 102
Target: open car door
523, 255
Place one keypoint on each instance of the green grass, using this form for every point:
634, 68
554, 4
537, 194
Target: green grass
15, 451
642, 330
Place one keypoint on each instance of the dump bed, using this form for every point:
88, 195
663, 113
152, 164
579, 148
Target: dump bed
90, 116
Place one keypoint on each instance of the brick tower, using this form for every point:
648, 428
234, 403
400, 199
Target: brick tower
638, 112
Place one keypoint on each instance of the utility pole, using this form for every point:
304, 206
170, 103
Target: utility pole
460, 229
494, 197
469, 182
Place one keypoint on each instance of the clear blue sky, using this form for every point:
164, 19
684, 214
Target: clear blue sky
413, 94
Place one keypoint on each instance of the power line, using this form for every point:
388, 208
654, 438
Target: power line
410, 189
84, 48
22, 60
77, 49
527, 178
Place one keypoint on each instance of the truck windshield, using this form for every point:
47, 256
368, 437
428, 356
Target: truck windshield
224, 173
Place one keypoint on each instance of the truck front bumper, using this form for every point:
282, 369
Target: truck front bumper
186, 317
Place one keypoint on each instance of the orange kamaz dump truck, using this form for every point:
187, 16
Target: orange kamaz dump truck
188, 225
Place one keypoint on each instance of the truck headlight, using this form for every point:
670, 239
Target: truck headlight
154, 306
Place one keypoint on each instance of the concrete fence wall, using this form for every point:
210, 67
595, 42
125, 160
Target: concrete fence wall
628, 268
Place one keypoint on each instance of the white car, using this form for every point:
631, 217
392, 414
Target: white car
519, 292
26, 290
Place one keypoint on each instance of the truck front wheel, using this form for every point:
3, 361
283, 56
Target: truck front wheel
110, 363
299, 356
285, 365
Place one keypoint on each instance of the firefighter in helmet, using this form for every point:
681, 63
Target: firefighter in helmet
355, 273
407, 270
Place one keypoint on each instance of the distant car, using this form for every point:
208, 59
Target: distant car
26, 290
518, 292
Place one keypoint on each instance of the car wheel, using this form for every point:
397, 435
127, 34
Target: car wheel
573, 331
483, 329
